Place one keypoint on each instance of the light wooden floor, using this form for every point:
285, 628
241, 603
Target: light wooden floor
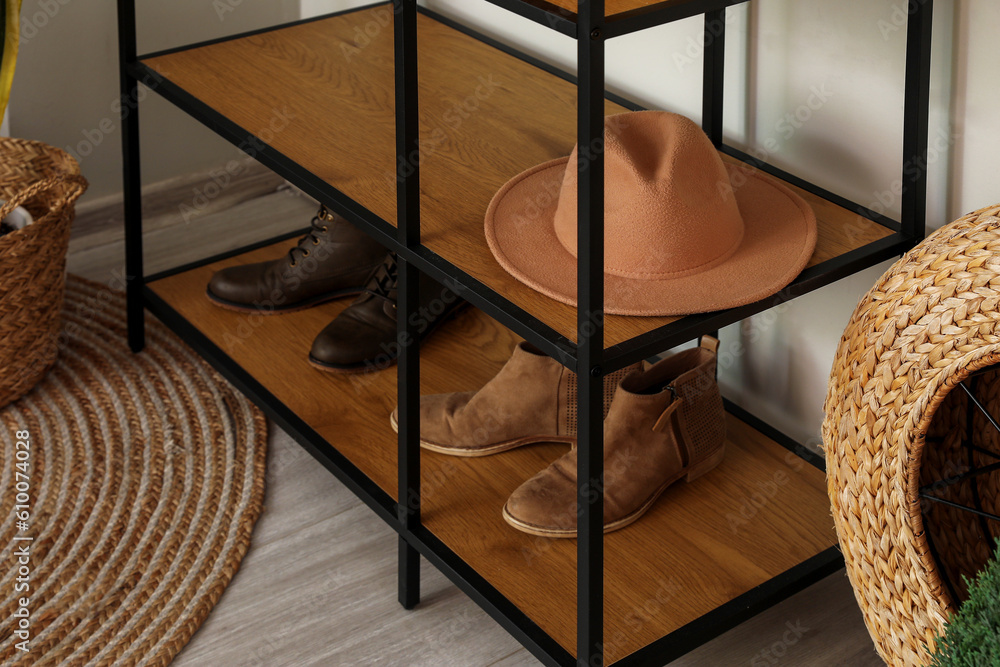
318, 586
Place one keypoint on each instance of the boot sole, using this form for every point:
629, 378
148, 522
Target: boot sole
491, 449
303, 305
690, 474
354, 369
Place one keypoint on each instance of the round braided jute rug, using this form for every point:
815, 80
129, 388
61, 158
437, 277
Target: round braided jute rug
144, 476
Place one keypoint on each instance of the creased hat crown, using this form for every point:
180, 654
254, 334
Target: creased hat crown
669, 205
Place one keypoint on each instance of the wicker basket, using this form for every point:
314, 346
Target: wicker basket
894, 424
46, 181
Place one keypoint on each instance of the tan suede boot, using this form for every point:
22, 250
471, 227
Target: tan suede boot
532, 399
665, 424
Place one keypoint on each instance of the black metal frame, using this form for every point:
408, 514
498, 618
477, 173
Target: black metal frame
916, 114
590, 337
408, 221
132, 177
496, 305
589, 357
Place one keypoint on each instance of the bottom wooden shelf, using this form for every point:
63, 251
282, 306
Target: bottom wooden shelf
762, 512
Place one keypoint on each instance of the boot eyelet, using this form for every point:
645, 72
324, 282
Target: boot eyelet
315, 241
305, 253
326, 228
293, 263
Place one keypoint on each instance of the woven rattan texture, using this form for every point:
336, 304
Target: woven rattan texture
931, 321
46, 181
146, 479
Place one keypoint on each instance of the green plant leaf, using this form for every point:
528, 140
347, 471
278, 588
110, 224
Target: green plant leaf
972, 636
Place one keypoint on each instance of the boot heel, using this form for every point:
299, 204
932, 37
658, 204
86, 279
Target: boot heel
709, 464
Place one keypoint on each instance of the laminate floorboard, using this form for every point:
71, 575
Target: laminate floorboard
318, 586
200, 237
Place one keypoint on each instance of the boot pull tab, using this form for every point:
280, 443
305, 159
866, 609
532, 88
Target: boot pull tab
669, 413
710, 343
674, 415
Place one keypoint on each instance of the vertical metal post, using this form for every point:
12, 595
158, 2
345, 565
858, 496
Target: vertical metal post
590, 332
131, 176
408, 224
916, 118
714, 78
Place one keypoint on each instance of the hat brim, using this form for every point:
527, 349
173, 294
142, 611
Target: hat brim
778, 242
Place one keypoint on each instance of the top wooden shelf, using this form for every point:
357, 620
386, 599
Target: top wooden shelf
322, 100
613, 8
620, 16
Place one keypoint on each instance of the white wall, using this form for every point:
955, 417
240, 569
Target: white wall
852, 147
780, 53
67, 81
975, 105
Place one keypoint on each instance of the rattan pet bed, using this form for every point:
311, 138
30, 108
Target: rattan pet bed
902, 432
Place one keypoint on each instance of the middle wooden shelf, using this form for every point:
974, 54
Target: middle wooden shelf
319, 95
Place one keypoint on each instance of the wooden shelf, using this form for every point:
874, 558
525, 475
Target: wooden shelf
614, 9
321, 93
761, 513
620, 16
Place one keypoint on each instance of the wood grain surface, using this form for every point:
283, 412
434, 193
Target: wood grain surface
762, 512
322, 94
613, 8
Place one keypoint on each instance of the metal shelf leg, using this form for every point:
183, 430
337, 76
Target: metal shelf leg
713, 80
132, 177
590, 336
408, 223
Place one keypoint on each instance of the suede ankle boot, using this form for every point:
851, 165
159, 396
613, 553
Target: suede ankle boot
665, 424
532, 399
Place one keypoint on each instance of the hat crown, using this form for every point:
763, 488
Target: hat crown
669, 206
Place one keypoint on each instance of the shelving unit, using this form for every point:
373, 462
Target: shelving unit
334, 116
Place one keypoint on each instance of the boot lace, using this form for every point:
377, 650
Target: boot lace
319, 226
383, 283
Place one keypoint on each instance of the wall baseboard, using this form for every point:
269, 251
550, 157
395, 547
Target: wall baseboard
177, 201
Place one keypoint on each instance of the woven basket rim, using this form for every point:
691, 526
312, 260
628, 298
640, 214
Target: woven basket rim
71, 162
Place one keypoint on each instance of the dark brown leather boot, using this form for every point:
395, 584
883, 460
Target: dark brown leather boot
333, 260
665, 424
363, 337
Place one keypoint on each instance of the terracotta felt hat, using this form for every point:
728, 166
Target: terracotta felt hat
684, 233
